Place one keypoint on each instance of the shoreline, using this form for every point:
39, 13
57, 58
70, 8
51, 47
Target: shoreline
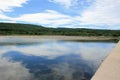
59, 37
110, 67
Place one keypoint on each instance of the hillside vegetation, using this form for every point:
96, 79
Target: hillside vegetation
28, 29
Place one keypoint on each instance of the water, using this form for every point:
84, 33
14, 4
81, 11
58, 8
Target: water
24, 59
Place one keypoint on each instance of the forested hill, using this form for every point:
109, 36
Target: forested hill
28, 29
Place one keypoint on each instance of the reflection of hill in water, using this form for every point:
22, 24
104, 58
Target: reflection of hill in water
66, 67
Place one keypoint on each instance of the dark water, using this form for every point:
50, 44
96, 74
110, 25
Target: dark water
51, 59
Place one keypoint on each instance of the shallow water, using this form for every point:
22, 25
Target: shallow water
50, 59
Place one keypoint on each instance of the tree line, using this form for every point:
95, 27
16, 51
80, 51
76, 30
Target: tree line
28, 29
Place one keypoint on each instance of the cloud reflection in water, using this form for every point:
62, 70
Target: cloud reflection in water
10, 70
66, 60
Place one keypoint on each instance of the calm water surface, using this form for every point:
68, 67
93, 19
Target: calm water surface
24, 59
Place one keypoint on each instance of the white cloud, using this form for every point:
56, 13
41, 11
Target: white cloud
48, 17
2, 16
66, 3
98, 15
8, 21
102, 12
71, 3
8, 5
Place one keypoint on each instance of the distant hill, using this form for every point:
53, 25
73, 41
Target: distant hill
28, 29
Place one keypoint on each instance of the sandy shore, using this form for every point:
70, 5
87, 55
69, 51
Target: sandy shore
64, 37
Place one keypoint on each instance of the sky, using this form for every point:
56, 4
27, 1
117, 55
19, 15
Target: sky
98, 14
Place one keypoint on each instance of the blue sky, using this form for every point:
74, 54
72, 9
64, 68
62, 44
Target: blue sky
100, 14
